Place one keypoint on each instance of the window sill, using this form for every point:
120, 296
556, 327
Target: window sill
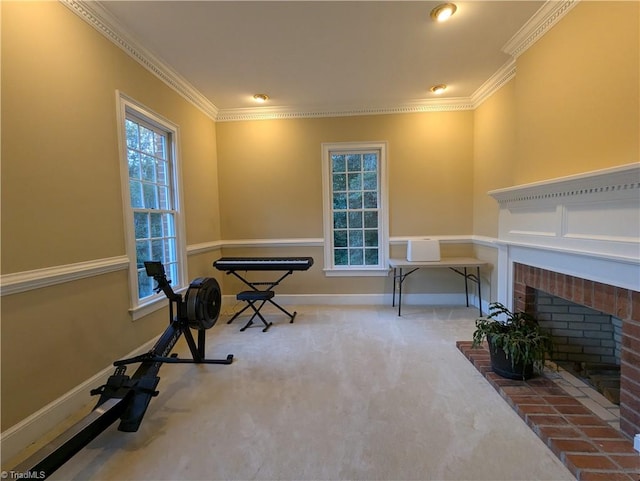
374, 272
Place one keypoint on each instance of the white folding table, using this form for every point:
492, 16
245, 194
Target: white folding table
402, 268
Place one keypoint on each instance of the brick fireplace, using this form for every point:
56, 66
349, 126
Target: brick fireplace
578, 238
617, 301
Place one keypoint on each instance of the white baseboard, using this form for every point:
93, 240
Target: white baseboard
19, 436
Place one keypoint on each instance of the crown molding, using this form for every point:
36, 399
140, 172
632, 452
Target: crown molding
283, 113
494, 83
546, 17
98, 17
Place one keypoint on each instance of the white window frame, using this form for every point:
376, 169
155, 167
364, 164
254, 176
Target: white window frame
330, 268
141, 307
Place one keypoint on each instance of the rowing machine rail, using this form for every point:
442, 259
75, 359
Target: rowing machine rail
127, 397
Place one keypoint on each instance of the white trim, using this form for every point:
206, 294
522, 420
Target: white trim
377, 272
204, 247
494, 83
620, 178
29, 430
284, 113
546, 17
50, 276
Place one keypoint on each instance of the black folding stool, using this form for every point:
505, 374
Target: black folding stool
251, 298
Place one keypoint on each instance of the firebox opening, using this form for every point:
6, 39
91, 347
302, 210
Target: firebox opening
587, 342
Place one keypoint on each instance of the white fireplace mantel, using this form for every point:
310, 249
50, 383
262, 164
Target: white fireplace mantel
585, 225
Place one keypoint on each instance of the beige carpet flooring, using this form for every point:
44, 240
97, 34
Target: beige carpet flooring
344, 393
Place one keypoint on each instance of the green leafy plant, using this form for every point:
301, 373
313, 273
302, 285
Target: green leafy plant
518, 334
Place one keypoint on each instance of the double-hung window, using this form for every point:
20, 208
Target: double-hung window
355, 208
152, 200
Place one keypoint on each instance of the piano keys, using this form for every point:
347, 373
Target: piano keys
263, 263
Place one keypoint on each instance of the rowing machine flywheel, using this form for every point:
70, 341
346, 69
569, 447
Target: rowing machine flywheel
203, 300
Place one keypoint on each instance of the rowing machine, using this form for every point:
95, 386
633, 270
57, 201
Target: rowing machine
127, 398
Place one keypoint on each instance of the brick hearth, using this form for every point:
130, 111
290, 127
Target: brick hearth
616, 301
590, 448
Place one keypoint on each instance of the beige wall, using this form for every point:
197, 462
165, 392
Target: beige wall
62, 201
271, 173
494, 153
62, 204
573, 107
577, 94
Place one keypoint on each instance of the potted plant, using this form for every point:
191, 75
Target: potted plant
518, 346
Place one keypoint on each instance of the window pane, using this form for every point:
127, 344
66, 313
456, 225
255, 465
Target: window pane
172, 271
143, 252
370, 200
339, 220
371, 238
355, 219
146, 140
162, 172
141, 223
339, 182
135, 189
159, 145
164, 202
371, 219
355, 181
168, 225
355, 200
145, 284
370, 181
156, 225
149, 192
339, 201
356, 257
371, 257
370, 162
355, 238
170, 249
148, 168
157, 250
134, 164
354, 162
132, 134
340, 238
340, 257
338, 163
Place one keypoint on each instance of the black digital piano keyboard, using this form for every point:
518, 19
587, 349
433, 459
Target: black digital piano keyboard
263, 263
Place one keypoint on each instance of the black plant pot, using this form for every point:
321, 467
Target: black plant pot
503, 367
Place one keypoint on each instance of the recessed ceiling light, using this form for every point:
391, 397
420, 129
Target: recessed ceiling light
443, 11
262, 98
438, 89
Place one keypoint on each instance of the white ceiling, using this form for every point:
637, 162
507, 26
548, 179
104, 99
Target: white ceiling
324, 55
